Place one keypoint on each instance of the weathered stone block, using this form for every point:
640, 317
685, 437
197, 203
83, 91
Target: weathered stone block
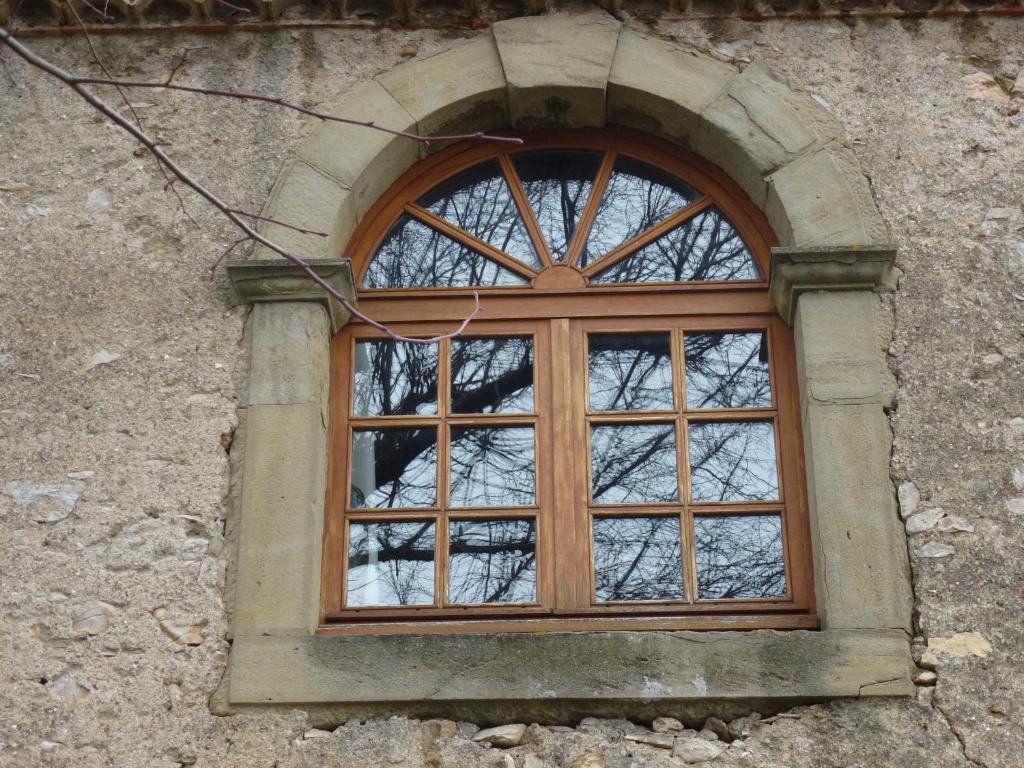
557, 69
760, 124
363, 159
662, 88
280, 280
823, 198
288, 361
460, 90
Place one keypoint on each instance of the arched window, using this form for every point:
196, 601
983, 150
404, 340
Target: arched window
613, 442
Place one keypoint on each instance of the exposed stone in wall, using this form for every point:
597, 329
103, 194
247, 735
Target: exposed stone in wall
112, 618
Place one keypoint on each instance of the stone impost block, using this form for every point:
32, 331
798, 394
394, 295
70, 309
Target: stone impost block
288, 359
662, 88
557, 69
557, 677
862, 574
760, 124
460, 90
279, 280
363, 159
823, 198
834, 268
304, 197
279, 540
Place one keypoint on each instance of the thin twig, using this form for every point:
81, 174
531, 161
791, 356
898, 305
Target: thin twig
102, 14
140, 135
181, 60
229, 249
280, 223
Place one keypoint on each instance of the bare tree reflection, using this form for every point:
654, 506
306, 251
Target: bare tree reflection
415, 256
706, 247
637, 558
492, 467
633, 464
733, 461
630, 372
727, 370
394, 468
492, 375
478, 201
557, 184
492, 561
390, 564
638, 196
394, 378
739, 557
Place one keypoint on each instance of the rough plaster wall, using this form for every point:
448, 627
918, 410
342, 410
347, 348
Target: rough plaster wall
142, 548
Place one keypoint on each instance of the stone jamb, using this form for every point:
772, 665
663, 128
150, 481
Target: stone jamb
784, 149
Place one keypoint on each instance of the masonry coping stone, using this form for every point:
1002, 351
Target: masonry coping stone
278, 280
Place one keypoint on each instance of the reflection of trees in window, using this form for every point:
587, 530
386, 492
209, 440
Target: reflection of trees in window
478, 201
727, 370
492, 561
492, 375
492, 467
733, 461
706, 247
633, 464
394, 378
557, 184
637, 558
390, 564
739, 556
630, 372
394, 468
638, 196
415, 256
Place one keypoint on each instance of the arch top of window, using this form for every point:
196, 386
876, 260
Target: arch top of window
580, 210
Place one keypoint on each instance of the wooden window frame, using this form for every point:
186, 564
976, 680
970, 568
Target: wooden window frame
559, 307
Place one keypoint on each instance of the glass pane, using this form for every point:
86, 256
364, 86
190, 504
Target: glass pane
557, 185
638, 197
492, 561
705, 247
733, 461
394, 378
478, 200
492, 375
492, 467
633, 464
394, 468
727, 370
739, 556
630, 372
390, 564
415, 256
637, 558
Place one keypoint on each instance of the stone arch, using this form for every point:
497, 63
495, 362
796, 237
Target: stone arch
782, 147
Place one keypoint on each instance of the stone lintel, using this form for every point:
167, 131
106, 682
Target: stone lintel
279, 280
562, 677
795, 270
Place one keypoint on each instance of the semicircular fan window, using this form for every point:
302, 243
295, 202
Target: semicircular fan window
611, 217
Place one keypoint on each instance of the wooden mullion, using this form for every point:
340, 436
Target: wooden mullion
732, 414
468, 240
582, 231
648, 236
526, 212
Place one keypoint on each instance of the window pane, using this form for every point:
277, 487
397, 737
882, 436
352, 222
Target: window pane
630, 372
557, 185
733, 461
705, 247
637, 558
492, 561
727, 370
633, 464
394, 378
390, 564
739, 556
415, 256
492, 467
638, 197
394, 468
478, 201
492, 375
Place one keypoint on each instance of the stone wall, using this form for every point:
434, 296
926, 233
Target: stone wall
121, 362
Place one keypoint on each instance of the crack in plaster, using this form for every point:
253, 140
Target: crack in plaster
959, 736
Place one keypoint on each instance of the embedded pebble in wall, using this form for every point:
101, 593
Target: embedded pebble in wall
504, 736
924, 521
697, 750
742, 726
666, 725
935, 549
927, 677
718, 727
954, 525
659, 740
589, 760
92, 619
909, 498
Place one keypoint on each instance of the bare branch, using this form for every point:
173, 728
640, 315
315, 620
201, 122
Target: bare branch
181, 60
76, 84
280, 223
229, 249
